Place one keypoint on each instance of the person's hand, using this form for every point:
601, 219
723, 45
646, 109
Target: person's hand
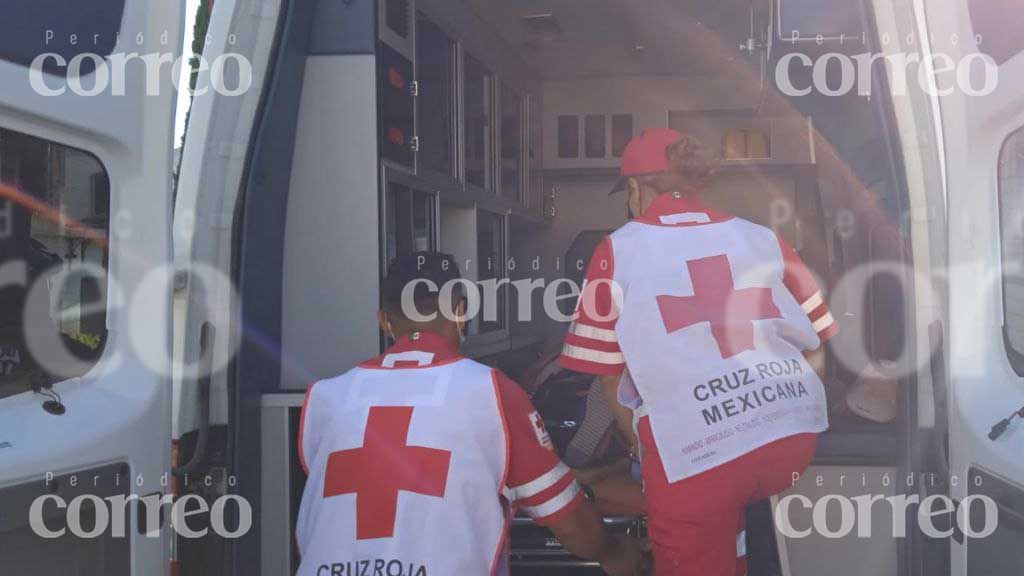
623, 557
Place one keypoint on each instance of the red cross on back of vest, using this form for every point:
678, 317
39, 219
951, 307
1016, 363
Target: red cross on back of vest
716, 300
382, 467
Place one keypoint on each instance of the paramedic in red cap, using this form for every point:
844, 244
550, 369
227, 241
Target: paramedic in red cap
416, 459
720, 325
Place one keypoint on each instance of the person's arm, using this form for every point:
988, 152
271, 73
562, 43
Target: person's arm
801, 283
619, 495
583, 534
545, 489
592, 346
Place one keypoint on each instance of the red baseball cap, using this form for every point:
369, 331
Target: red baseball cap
646, 154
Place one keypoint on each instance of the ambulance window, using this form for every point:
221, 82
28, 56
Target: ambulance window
67, 29
434, 58
477, 95
1011, 214
999, 36
54, 226
511, 142
490, 245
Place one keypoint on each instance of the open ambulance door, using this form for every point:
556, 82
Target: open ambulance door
85, 235
278, 192
980, 113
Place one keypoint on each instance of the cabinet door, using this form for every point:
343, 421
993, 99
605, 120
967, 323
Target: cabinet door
510, 156
435, 102
478, 127
411, 218
397, 107
396, 28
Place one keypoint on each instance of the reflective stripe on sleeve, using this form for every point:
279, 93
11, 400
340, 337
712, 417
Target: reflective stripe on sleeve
812, 303
596, 356
540, 484
823, 322
593, 333
555, 504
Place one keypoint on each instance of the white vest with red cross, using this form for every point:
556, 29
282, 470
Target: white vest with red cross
714, 341
405, 471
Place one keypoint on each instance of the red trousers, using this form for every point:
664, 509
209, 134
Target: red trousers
697, 524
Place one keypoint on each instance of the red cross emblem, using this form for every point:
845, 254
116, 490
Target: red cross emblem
384, 466
540, 431
715, 299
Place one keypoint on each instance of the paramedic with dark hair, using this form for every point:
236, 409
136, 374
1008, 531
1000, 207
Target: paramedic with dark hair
721, 326
416, 459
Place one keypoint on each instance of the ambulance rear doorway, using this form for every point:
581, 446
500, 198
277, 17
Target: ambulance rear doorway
504, 158
824, 171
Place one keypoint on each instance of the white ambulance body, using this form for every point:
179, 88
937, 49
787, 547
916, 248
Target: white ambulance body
491, 130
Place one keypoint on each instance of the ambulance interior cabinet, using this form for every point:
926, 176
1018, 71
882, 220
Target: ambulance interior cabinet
410, 219
397, 107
